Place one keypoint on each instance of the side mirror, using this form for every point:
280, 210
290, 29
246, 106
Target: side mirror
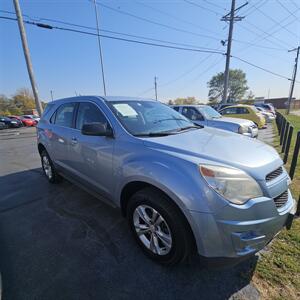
97, 129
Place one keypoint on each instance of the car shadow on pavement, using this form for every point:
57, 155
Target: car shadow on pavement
58, 242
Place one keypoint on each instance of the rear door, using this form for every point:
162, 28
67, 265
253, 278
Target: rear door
91, 156
62, 123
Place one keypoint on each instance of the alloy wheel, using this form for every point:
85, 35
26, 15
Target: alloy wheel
152, 229
47, 167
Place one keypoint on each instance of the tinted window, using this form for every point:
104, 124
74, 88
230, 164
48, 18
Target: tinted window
242, 110
176, 108
192, 113
229, 111
64, 115
89, 113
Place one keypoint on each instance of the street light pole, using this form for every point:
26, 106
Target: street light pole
38, 104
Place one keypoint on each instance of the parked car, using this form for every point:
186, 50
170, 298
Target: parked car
207, 116
268, 107
10, 123
182, 187
269, 116
25, 121
220, 106
32, 117
2, 125
248, 112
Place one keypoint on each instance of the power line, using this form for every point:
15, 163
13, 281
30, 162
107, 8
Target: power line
275, 22
203, 7
287, 10
215, 4
175, 17
47, 26
156, 23
38, 19
261, 68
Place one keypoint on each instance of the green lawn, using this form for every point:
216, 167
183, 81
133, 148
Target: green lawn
277, 275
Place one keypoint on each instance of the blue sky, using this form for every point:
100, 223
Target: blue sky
68, 63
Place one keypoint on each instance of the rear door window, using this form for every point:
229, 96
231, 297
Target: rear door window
64, 115
229, 111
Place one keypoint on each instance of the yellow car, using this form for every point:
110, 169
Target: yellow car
248, 112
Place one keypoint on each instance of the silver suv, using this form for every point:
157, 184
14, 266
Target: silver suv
207, 116
182, 187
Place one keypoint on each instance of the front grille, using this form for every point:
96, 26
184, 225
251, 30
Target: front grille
281, 199
274, 174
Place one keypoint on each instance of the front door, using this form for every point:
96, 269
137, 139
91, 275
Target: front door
91, 156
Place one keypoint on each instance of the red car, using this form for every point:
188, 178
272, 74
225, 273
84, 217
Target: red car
26, 122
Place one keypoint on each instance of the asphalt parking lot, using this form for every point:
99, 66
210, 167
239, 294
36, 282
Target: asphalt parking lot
58, 242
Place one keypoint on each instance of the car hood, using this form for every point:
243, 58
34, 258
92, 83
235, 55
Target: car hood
209, 145
235, 121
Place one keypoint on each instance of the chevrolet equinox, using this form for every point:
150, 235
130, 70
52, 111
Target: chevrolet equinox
183, 187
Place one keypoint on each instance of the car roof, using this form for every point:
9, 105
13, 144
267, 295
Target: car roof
240, 105
190, 105
101, 98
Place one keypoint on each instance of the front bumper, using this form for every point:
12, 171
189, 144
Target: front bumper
240, 230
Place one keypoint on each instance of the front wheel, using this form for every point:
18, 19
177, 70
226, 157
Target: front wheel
159, 227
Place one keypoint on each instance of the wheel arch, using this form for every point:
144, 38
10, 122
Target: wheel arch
134, 186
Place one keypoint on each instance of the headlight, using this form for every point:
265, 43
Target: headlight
233, 184
243, 129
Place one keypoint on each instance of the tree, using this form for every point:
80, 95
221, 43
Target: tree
180, 101
23, 99
237, 86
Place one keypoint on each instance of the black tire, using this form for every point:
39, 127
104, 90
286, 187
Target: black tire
182, 245
54, 177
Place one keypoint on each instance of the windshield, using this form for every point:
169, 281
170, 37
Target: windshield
209, 112
144, 118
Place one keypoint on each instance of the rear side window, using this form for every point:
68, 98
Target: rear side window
242, 110
64, 115
89, 113
229, 111
176, 108
192, 114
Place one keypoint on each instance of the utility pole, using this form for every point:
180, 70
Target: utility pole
231, 18
293, 79
38, 104
100, 48
51, 92
155, 87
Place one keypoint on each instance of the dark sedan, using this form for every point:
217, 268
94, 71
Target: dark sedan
10, 122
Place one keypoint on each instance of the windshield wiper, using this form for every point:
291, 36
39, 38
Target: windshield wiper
154, 134
170, 119
196, 126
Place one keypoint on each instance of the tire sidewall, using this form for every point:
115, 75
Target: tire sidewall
178, 248
52, 179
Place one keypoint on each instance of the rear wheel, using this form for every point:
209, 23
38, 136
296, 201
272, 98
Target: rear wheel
159, 227
48, 168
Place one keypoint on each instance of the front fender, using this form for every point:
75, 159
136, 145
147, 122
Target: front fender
179, 179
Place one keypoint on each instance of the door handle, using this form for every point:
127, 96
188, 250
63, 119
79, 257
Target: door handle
74, 141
